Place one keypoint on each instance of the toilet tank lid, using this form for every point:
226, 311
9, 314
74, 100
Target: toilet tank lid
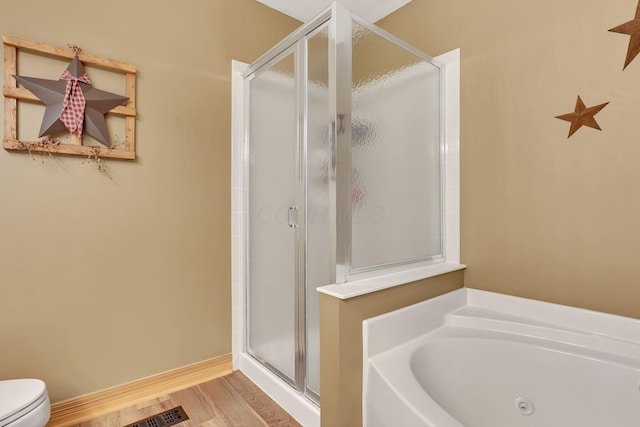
16, 395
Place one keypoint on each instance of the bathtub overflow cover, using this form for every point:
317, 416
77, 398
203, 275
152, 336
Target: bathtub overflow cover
524, 406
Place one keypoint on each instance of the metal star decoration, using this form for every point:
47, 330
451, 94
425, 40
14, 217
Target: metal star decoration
631, 28
52, 94
582, 116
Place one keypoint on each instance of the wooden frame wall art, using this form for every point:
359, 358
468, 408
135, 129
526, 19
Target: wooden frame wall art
14, 94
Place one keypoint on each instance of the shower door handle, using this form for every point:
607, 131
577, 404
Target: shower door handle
293, 216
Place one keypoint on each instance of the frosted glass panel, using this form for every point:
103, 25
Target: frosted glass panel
272, 190
396, 188
318, 158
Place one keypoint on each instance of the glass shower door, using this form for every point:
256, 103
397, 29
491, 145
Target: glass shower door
290, 152
273, 215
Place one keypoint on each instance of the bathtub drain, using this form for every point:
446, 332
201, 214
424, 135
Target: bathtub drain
524, 406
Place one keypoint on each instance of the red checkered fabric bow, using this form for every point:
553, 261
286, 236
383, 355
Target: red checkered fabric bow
72, 114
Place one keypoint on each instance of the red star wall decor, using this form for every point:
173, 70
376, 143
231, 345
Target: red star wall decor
582, 116
632, 28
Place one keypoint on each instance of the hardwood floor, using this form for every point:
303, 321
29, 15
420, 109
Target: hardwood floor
229, 401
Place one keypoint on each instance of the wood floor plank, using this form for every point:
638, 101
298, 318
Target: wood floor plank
234, 409
198, 408
267, 409
230, 401
131, 414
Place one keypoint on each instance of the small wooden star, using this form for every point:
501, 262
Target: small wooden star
631, 28
582, 116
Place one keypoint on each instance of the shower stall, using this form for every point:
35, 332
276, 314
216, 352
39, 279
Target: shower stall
343, 179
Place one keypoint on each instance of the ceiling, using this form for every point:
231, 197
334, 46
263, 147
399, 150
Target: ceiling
305, 10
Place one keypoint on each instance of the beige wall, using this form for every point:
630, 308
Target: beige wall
106, 281
542, 216
341, 342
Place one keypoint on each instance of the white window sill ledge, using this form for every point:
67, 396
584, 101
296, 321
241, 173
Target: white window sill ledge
385, 281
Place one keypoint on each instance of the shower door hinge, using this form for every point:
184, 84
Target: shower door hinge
293, 216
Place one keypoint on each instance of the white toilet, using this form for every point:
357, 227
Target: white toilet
24, 403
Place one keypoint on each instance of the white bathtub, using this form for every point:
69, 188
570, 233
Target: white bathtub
478, 359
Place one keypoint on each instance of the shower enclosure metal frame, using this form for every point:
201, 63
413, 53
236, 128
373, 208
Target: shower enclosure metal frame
338, 20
